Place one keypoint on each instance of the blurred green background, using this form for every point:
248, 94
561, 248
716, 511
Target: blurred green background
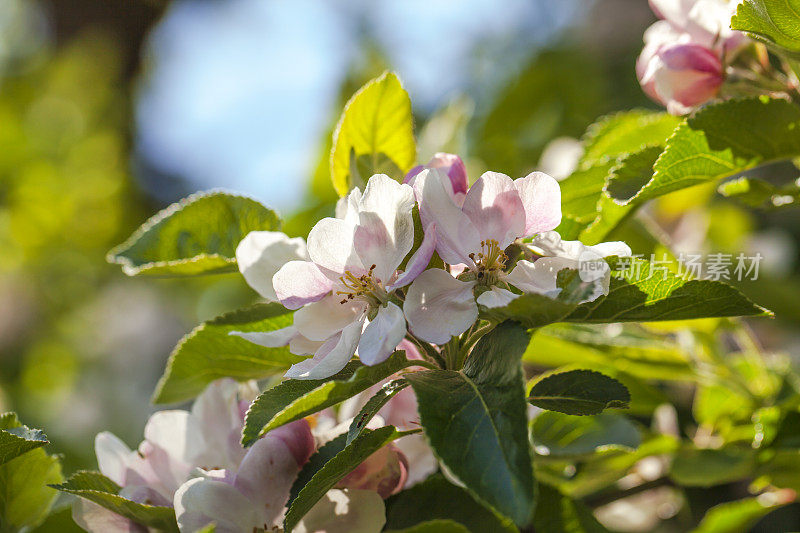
112, 109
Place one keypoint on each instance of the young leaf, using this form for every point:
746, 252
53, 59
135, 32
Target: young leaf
375, 135
555, 513
15, 439
632, 172
476, 422
97, 488
437, 499
622, 133
723, 139
335, 469
25, 498
555, 434
741, 515
209, 353
776, 22
579, 392
701, 467
640, 292
197, 235
294, 399
373, 405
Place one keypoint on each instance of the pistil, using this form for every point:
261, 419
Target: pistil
365, 288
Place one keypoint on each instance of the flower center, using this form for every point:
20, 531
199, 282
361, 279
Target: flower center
365, 288
489, 261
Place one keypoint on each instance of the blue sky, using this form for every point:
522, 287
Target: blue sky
237, 93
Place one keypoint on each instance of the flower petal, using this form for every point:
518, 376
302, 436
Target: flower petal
494, 206
345, 511
419, 261
330, 246
268, 339
319, 320
382, 335
298, 283
385, 232
97, 519
331, 357
496, 297
262, 253
607, 249
439, 306
385, 472
266, 475
456, 235
217, 413
421, 461
113, 457
298, 438
200, 502
541, 199
347, 206
540, 276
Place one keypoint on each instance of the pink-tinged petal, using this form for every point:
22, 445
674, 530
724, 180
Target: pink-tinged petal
411, 174
419, 261
298, 438
385, 472
216, 411
331, 357
412, 352
347, 206
382, 335
266, 475
421, 461
385, 232
401, 410
262, 253
330, 246
541, 199
495, 208
268, 339
496, 297
177, 446
455, 169
165, 472
96, 519
345, 511
456, 235
540, 276
200, 502
146, 495
319, 320
439, 306
300, 345
298, 283
607, 249
113, 457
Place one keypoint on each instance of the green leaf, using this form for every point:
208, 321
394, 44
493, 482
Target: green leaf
776, 22
632, 351
555, 513
25, 498
750, 191
373, 405
724, 139
581, 191
579, 392
16, 439
557, 435
436, 499
697, 467
626, 132
197, 235
209, 352
475, 421
296, 398
375, 135
97, 488
433, 526
739, 516
640, 292
337, 468
318, 459
631, 173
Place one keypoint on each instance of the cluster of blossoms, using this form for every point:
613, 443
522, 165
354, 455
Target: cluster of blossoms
360, 287
192, 460
683, 63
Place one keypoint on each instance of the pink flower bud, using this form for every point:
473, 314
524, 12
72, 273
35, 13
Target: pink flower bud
680, 76
707, 22
450, 164
385, 472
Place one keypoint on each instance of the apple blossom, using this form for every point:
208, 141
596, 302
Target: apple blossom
344, 293
176, 443
705, 22
496, 212
450, 164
